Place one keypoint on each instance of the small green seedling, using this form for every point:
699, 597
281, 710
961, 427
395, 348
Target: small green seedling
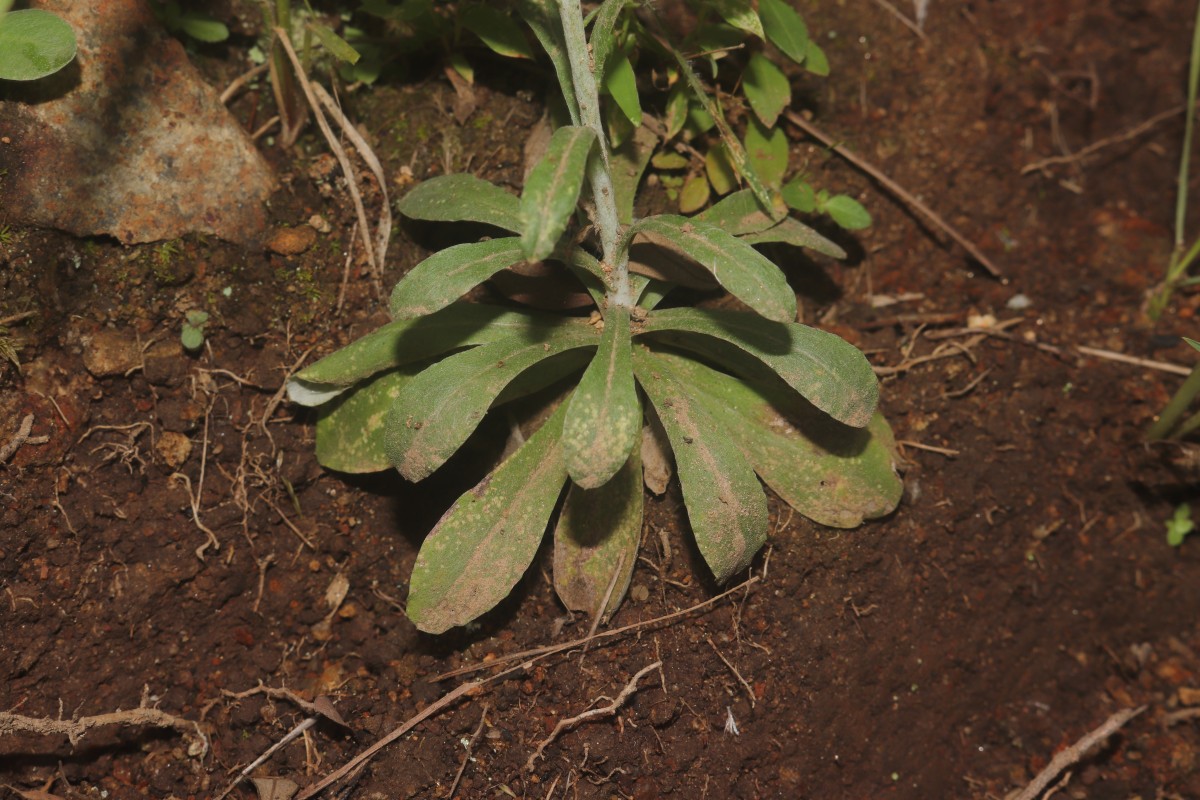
1180, 525
735, 395
190, 22
33, 43
192, 332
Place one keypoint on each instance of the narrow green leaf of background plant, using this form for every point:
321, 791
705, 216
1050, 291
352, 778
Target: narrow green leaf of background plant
350, 427
831, 473
597, 536
627, 164
407, 340
338, 47
726, 506
462, 198
847, 212
439, 408
823, 368
738, 267
449, 274
552, 190
604, 416
677, 110
767, 152
621, 83
767, 89
496, 30
784, 28
602, 40
815, 60
542, 18
485, 542
740, 14
33, 44
796, 233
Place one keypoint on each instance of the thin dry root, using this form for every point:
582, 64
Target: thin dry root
75, 729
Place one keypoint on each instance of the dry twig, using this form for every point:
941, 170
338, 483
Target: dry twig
896, 189
1123, 136
75, 729
745, 684
467, 755
1077, 752
603, 711
898, 14
22, 435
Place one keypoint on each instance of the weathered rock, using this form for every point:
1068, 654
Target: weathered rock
107, 353
174, 448
128, 140
292, 241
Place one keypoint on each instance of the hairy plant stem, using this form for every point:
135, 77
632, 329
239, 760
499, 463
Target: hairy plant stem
608, 224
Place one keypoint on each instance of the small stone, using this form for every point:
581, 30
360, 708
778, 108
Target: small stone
319, 224
639, 593
292, 241
174, 448
107, 353
1018, 302
1189, 696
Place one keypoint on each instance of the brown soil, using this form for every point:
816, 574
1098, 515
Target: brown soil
1022, 592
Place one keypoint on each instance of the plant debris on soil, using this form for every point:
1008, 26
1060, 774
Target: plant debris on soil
170, 548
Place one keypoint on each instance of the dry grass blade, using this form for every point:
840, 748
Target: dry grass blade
1077, 752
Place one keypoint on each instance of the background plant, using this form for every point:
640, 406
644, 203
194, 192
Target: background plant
734, 394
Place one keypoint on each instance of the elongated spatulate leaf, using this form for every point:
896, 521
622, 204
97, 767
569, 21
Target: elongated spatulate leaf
553, 189
825, 369
596, 538
831, 473
462, 198
350, 428
725, 503
438, 409
488, 538
408, 340
449, 274
792, 231
739, 268
604, 417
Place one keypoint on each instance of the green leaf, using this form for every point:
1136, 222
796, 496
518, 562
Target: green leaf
677, 110
847, 212
552, 190
741, 15
542, 18
460, 64
604, 417
496, 30
1180, 525
33, 44
668, 160
815, 60
191, 337
602, 40
831, 473
738, 214
597, 536
720, 170
202, 27
784, 28
449, 274
738, 267
350, 428
694, 194
485, 542
825, 369
338, 47
767, 152
799, 195
797, 234
627, 164
766, 88
726, 506
409, 340
462, 198
1195, 345
439, 408
621, 83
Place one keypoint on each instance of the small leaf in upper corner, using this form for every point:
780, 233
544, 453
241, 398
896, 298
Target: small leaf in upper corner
336, 45
784, 28
847, 212
741, 15
766, 88
496, 30
33, 44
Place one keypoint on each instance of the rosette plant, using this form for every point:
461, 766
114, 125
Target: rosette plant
739, 394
